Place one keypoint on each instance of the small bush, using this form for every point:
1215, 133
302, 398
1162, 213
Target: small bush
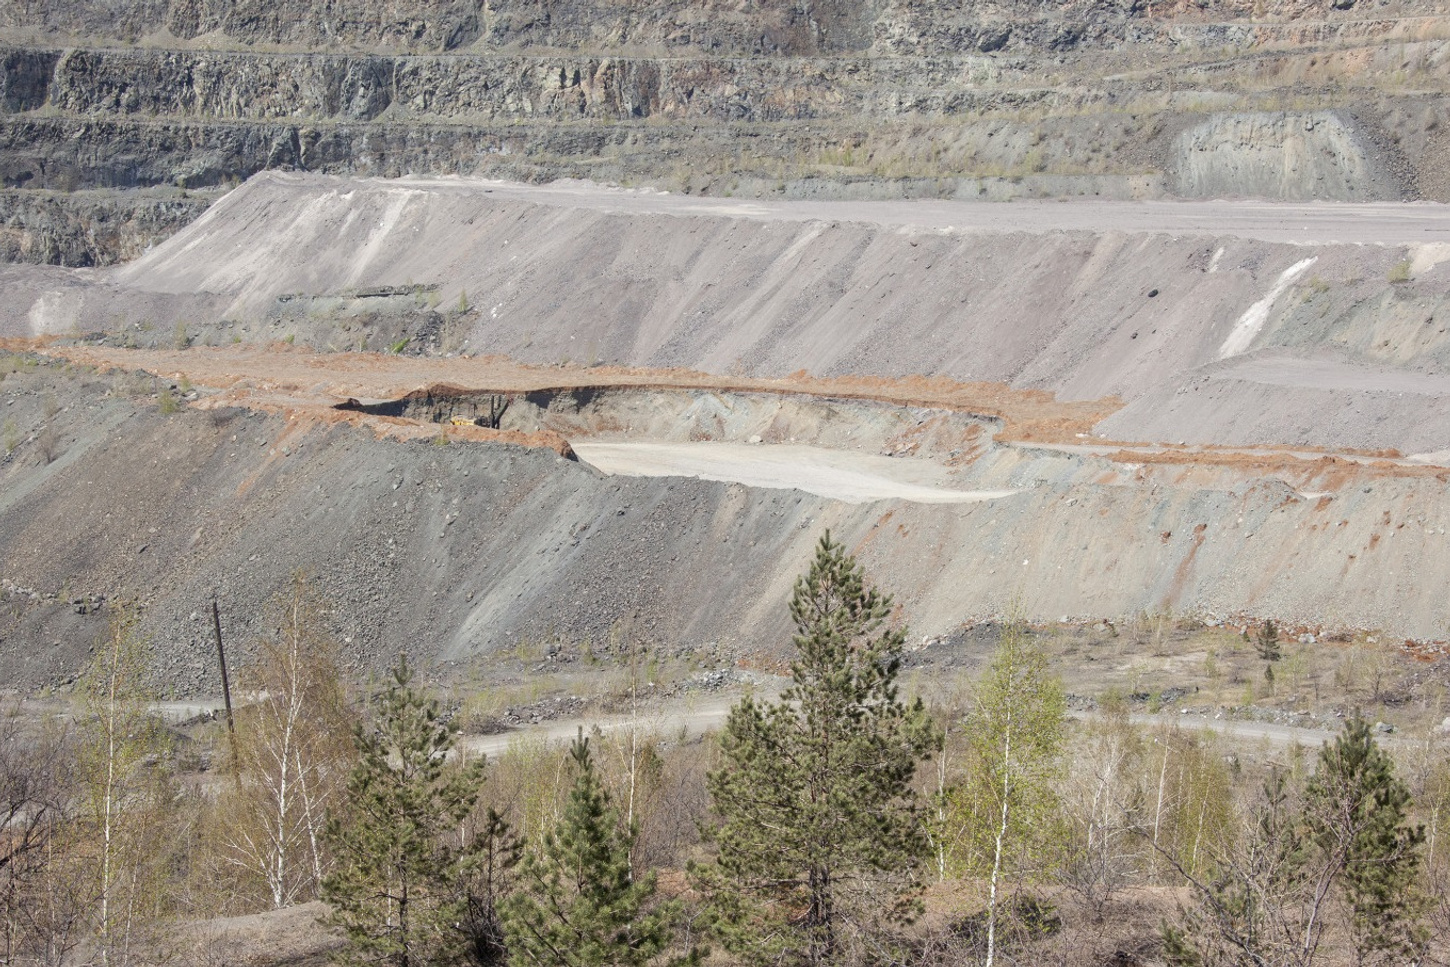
1316, 286
1399, 272
47, 443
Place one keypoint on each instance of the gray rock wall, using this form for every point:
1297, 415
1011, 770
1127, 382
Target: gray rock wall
1293, 156
90, 228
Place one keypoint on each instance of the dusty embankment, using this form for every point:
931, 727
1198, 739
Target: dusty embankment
1150, 304
464, 550
1050, 373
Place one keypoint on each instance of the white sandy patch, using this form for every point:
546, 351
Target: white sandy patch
53, 312
379, 240
1426, 257
853, 478
1253, 320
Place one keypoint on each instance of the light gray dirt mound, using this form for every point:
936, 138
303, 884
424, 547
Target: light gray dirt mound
1121, 304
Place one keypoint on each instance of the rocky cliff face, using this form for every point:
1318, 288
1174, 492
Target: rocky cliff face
720, 27
846, 97
90, 228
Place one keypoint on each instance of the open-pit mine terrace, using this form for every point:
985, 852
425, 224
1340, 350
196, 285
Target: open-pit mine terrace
653, 406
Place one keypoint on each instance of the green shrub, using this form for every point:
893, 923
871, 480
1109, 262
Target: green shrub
167, 402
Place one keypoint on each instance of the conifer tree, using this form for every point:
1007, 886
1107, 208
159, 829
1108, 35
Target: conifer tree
1266, 642
397, 858
579, 905
818, 823
1356, 810
1346, 846
489, 875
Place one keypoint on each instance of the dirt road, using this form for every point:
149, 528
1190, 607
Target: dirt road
707, 714
1378, 223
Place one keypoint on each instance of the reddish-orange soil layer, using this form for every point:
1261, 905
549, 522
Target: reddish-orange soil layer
306, 385
1028, 415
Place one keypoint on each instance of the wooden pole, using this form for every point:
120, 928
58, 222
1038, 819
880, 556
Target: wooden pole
221, 657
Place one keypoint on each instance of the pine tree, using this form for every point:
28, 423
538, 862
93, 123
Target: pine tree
1356, 810
579, 906
488, 877
1266, 642
1347, 845
818, 823
1258, 907
398, 861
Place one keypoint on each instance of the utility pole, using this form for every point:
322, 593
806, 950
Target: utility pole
221, 656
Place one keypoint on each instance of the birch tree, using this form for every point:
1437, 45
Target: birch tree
293, 752
1340, 861
120, 766
1108, 797
1008, 802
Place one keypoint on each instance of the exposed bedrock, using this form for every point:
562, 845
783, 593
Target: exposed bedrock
833, 98
90, 228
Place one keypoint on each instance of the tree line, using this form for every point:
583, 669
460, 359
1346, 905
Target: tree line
837, 824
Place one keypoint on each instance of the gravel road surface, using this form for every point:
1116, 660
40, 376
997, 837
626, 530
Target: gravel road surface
708, 714
1384, 223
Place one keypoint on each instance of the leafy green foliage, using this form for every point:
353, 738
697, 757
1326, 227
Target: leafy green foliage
398, 860
1007, 806
1347, 843
579, 906
1259, 907
819, 826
